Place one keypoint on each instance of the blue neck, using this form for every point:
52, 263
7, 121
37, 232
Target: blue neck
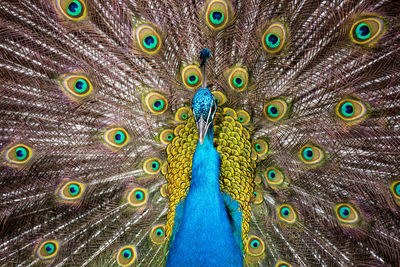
204, 236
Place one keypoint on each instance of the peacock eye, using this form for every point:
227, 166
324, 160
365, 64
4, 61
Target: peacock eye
347, 109
191, 77
282, 264
150, 42
148, 39
217, 14
137, 197
258, 197
81, 86
275, 110
238, 79
74, 10
363, 31
71, 190
47, 249
255, 246
157, 234
166, 136
274, 38
286, 213
156, 103
366, 30
77, 85
116, 137
350, 110
230, 112
18, 154
152, 166
126, 255
311, 154
261, 147
220, 98
243, 117
182, 114
216, 17
395, 188
274, 176
346, 213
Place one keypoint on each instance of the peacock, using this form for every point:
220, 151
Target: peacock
200, 133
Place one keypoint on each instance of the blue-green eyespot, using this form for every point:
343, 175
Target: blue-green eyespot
366, 31
126, 255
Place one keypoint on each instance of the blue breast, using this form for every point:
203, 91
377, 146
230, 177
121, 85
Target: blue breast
203, 234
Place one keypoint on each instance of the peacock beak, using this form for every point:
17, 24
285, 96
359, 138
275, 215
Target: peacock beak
202, 128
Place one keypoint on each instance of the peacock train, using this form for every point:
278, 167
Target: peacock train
200, 133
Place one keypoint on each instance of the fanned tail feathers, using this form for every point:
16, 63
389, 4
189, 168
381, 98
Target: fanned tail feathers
93, 93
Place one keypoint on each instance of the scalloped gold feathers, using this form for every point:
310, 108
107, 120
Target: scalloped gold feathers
98, 133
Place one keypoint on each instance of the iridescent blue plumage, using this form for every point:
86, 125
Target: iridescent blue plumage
204, 233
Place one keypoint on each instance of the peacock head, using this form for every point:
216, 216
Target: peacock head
204, 107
